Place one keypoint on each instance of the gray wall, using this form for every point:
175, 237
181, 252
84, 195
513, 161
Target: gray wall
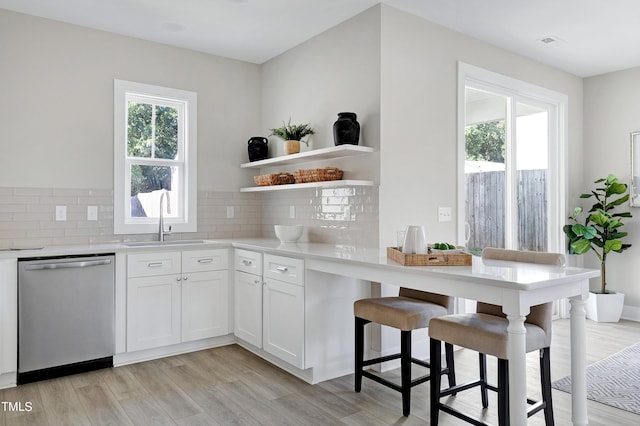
57, 103
611, 113
419, 117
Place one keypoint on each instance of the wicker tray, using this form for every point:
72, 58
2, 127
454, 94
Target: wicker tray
274, 179
317, 175
435, 259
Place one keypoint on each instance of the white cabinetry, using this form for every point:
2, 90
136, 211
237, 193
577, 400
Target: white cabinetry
283, 309
175, 297
248, 296
8, 322
269, 308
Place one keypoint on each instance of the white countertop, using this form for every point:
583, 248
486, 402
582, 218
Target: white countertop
500, 273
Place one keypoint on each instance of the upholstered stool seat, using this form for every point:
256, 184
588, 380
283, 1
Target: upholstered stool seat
483, 333
411, 310
402, 313
486, 332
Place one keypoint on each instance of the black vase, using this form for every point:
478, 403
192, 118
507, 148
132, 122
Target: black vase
258, 149
346, 129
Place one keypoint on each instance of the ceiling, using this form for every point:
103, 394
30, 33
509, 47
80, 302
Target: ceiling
591, 36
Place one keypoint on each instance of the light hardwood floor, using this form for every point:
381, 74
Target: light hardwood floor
231, 386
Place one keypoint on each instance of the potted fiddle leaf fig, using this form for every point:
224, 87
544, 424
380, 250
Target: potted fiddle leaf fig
598, 230
292, 135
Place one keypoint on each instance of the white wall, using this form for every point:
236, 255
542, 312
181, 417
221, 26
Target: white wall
56, 109
418, 118
611, 106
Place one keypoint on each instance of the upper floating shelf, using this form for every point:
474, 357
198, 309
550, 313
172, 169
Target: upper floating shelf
313, 155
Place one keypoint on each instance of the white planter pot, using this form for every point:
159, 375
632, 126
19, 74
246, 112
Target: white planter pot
605, 307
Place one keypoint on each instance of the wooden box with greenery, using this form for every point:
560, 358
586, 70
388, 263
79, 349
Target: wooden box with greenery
292, 135
600, 229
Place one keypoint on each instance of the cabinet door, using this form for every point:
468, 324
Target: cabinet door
205, 305
248, 308
153, 312
283, 321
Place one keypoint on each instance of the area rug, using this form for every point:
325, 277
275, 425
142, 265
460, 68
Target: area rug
614, 381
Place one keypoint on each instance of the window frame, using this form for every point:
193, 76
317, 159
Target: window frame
498, 83
186, 160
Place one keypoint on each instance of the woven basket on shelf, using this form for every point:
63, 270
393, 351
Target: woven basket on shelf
274, 179
317, 175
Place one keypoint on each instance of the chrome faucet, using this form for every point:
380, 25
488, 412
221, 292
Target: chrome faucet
161, 232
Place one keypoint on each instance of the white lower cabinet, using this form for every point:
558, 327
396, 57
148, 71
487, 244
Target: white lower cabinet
153, 312
248, 308
175, 297
205, 301
269, 311
283, 321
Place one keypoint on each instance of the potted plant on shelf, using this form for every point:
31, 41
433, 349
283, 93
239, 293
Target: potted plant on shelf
292, 135
600, 232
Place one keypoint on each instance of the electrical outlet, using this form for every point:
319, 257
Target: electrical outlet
444, 214
61, 213
231, 212
292, 212
92, 212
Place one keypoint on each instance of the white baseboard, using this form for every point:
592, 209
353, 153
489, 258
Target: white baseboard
631, 313
8, 380
165, 351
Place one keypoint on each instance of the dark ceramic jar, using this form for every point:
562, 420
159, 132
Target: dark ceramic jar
258, 149
346, 129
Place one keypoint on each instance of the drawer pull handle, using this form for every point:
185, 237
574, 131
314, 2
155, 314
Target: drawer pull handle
256, 282
185, 278
155, 264
282, 269
209, 260
246, 262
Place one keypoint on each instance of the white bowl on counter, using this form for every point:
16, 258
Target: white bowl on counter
288, 233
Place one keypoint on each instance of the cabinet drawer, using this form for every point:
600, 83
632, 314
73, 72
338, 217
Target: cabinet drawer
284, 269
204, 260
151, 264
248, 261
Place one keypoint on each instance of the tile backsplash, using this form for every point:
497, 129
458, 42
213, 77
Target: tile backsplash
341, 215
347, 215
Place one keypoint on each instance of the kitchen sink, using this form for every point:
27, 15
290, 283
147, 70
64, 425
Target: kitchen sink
164, 243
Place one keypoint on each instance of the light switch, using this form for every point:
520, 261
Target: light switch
292, 212
444, 214
231, 212
92, 212
61, 213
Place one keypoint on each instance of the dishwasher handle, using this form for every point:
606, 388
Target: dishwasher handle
67, 265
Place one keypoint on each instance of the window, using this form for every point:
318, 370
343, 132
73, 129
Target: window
154, 154
511, 157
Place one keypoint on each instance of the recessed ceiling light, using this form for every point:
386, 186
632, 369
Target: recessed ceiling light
550, 39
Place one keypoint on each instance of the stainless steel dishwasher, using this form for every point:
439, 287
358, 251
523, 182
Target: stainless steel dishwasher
65, 315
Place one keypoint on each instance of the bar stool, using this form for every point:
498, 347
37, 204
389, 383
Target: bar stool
486, 332
410, 310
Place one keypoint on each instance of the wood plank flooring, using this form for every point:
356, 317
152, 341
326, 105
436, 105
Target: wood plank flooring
231, 386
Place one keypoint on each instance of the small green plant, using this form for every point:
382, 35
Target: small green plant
293, 132
600, 230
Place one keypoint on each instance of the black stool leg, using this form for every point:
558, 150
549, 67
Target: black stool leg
503, 392
405, 370
359, 351
482, 360
435, 373
545, 381
451, 375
